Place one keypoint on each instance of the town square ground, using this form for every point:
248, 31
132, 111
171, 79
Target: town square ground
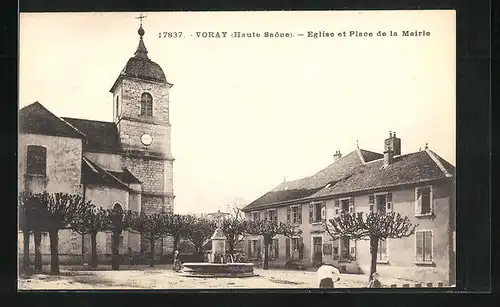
163, 277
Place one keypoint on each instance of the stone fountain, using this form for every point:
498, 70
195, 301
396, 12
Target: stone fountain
219, 264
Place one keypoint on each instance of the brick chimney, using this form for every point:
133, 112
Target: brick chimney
393, 143
337, 156
392, 147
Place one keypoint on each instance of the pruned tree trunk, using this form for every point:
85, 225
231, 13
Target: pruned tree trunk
176, 243
230, 244
115, 253
152, 252
266, 256
54, 252
93, 243
373, 254
38, 251
83, 249
26, 248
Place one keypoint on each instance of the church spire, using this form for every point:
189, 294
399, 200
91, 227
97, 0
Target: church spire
141, 51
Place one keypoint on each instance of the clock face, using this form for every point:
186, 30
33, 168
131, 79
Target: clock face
146, 139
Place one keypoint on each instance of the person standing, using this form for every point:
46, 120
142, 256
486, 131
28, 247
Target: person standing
375, 283
328, 275
177, 263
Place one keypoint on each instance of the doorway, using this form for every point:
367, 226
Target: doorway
317, 251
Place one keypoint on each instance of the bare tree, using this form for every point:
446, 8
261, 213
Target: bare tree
268, 230
234, 227
151, 227
118, 221
56, 212
91, 222
177, 226
200, 229
375, 226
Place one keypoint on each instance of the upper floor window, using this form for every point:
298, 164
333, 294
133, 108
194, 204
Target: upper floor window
344, 205
271, 215
294, 215
36, 160
423, 204
316, 212
381, 202
146, 104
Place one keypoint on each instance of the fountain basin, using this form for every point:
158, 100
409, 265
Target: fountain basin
206, 269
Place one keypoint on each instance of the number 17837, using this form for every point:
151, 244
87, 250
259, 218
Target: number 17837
169, 34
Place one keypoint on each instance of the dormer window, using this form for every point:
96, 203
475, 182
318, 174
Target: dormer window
146, 104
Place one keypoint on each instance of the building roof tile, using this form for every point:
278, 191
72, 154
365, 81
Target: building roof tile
37, 119
350, 175
94, 174
101, 136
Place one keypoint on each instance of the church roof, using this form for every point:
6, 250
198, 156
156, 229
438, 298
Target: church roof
140, 65
352, 175
94, 174
37, 119
101, 136
125, 176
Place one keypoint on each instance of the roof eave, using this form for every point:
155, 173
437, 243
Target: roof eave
336, 195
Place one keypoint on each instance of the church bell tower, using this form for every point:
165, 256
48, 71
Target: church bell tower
141, 114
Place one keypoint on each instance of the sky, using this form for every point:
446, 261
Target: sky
248, 113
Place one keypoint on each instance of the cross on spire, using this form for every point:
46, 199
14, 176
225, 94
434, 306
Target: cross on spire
141, 17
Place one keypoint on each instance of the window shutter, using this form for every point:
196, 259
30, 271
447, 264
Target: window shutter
301, 248
258, 247
419, 246
249, 248
287, 248
323, 212
311, 211
371, 201
337, 206
288, 213
266, 215
428, 246
276, 248
388, 204
352, 248
351, 205
418, 202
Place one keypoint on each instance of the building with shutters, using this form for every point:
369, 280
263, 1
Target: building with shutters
420, 185
126, 162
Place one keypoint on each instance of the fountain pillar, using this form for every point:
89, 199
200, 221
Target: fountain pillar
218, 246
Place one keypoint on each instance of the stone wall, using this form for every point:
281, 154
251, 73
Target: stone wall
64, 163
112, 162
131, 91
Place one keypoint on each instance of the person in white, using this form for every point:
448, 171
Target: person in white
328, 275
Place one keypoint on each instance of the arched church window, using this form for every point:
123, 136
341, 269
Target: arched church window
117, 103
146, 104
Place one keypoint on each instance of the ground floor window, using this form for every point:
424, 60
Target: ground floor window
274, 250
382, 251
423, 252
253, 249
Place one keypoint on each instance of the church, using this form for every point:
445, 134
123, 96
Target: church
126, 162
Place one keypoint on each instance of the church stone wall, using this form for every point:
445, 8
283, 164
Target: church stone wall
106, 197
131, 132
148, 171
131, 91
112, 162
64, 163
